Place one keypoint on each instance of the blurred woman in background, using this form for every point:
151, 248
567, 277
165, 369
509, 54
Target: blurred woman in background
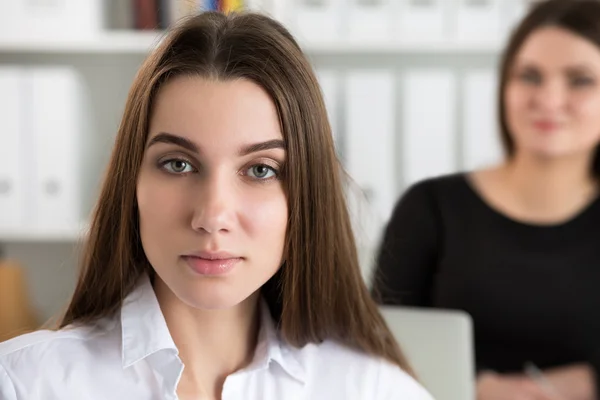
517, 246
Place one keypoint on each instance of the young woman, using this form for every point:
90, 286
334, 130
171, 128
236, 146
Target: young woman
220, 262
517, 245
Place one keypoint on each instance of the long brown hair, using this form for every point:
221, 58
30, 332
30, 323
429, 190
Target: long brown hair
580, 17
319, 292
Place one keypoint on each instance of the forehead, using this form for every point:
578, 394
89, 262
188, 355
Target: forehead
558, 47
201, 108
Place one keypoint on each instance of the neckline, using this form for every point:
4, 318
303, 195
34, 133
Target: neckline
577, 217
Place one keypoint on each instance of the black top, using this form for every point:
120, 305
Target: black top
533, 291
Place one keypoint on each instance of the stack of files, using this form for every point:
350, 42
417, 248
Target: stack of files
13, 160
513, 12
481, 141
51, 20
424, 21
369, 149
315, 21
478, 20
487, 21
429, 140
371, 21
42, 113
161, 14
331, 88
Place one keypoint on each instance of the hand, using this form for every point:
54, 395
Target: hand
575, 382
492, 386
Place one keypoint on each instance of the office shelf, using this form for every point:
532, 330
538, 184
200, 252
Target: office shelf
135, 42
62, 235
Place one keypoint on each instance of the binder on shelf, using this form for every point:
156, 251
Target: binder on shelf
428, 133
371, 20
145, 14
330, 86
119, 15
512, 12
13, 156
481, 140
370, 148
181, 8
51, 19
263, 6
316, 21
278, 9
56, 131
478, 20
424, 20
232, 5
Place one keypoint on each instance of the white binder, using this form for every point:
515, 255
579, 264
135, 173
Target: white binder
481, 140
429, 132
423, 20
317, 21
370, 145
56, 112
478, 20
13, 155
330, 87
51, 19
513, 12
371, 21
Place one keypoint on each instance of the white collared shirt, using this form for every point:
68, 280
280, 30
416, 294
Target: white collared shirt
134, 357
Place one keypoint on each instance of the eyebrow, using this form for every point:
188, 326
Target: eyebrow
268, 145
187, 144
169, 138
569, 68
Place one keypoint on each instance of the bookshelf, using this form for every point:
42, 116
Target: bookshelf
140, 43
69, 235
109, 60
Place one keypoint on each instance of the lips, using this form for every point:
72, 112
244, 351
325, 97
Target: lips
545, 125
211, 263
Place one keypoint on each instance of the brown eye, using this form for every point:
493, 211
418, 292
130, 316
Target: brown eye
530, 77
579, 81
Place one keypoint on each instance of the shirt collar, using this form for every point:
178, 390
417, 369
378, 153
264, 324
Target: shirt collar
270, 347
145, 332
143, 326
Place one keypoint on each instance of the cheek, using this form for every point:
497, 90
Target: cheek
587, 109
158, 204
266, 214
515, 100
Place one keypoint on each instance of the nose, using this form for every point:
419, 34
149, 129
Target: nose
214, 211
550, 96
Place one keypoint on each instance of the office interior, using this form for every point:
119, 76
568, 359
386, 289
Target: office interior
66, 67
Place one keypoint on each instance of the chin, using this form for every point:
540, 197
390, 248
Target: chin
549, 155
548, 151
211, 296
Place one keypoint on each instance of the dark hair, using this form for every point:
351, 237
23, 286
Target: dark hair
319, 292
581, 17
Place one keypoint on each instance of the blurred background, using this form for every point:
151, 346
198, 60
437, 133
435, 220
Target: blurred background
410, 86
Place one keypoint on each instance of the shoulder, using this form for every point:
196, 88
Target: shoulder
438, 186
358, 372
38, 340
429, 199
47, 348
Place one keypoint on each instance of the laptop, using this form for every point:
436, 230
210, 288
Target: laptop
439, 346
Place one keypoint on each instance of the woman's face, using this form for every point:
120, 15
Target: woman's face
212, 207
553, 95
